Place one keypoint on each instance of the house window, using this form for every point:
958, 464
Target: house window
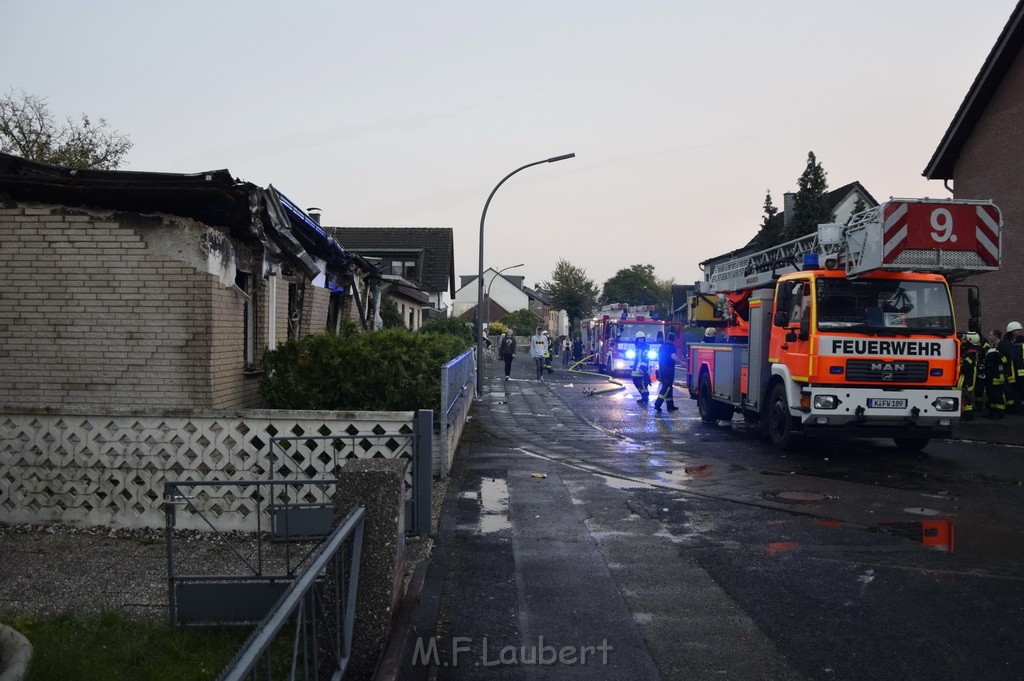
334, 312
243, 280
293, 311
404, 268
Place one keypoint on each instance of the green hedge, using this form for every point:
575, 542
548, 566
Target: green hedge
391, 370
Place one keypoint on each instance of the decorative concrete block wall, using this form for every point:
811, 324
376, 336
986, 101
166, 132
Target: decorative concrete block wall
89, 467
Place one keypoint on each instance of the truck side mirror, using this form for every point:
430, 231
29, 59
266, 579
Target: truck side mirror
781, 318
974, 301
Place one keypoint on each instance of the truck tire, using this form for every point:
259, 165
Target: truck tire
710, 410
911, 444
778, 422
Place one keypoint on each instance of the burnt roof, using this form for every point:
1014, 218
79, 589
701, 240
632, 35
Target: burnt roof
212, 197
1006, 49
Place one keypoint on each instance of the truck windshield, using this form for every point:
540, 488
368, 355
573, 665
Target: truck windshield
878, 305
627, 331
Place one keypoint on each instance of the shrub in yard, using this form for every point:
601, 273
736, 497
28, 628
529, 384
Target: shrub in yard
523, 321
391, 370
451, 326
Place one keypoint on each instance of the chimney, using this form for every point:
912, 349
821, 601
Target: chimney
315, 214
788, 209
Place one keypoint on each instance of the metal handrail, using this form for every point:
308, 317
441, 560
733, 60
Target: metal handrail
299, 600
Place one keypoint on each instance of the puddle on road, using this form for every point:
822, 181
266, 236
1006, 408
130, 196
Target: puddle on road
493, 506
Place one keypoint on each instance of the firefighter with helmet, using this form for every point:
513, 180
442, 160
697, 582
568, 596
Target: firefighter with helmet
970, 347
641, 374
1011, 348
709, 334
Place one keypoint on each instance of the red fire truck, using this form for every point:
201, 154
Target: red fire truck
848, 331
611, 337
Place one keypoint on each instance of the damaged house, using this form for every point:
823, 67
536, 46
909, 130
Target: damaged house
157, 290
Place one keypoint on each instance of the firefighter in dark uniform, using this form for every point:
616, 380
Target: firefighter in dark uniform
996, 371
666, 374
1011, 348
641, 374
1007, 349
547, 354
969, 346
981, 378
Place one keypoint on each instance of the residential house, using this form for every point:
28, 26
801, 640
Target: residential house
841, 203
156, 290
503, 294
982, 153
422, 257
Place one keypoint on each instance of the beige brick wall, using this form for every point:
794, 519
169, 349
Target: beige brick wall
91, 316
991, 166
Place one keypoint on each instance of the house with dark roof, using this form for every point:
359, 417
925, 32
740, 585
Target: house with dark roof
982, 154
140, 290
503, 294
423, 256
842, 203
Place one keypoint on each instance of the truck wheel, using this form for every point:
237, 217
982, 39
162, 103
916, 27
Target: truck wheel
778, 421
710, 410
911, 444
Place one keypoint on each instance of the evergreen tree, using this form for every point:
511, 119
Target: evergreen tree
810, 208
859, 206
770, 232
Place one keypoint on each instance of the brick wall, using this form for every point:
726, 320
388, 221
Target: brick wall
89, 315
991, 166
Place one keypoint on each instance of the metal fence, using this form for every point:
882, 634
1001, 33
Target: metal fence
229, 577
319, 605
458, 378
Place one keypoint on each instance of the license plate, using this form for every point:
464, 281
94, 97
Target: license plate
886, 403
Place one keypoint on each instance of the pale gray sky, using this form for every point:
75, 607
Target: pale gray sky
681, 114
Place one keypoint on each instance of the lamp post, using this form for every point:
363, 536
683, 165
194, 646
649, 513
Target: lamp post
480, 274
487, 297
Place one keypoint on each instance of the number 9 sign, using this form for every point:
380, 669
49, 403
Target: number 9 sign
942, 226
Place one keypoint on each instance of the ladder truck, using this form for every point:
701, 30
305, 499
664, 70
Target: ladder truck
848, 331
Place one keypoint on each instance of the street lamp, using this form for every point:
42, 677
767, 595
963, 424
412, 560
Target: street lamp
488, 296
480, 274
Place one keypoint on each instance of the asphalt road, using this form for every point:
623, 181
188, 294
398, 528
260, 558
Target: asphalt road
697, 551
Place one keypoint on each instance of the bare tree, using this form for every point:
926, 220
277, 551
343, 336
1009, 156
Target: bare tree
28, 129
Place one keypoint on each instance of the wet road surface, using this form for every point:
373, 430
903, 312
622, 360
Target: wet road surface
697, 551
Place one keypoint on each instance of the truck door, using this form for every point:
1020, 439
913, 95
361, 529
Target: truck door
794, 351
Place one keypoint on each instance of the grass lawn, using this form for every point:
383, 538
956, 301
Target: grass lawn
111, 647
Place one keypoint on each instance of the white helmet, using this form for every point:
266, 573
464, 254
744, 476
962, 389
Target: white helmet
1013, 326
973, 337
640, 335
709, 332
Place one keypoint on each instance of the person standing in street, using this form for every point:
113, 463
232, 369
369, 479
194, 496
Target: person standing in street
551, 349
507, 350
539, 350
666, 374
641, 374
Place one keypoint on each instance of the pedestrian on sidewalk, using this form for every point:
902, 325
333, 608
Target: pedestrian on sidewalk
666, 374
507, 350
539, 350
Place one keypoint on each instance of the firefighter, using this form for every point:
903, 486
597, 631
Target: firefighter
641, 368
1008, 351
547, 354
981, 376
967, 384
995, 370
1013, 350
709, 334
666, 373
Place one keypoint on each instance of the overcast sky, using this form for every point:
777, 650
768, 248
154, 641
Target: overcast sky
681, 114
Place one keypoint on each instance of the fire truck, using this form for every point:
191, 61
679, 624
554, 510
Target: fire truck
611, 337
848, 331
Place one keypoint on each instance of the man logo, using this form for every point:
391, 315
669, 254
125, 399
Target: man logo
887, 376
888, 366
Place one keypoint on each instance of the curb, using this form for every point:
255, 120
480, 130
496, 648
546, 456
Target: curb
17, 654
